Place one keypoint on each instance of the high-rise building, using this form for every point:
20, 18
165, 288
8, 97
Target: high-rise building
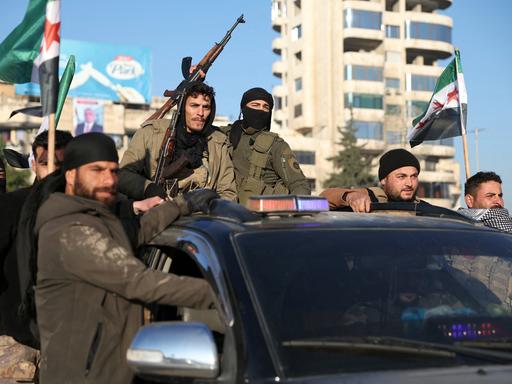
374, 60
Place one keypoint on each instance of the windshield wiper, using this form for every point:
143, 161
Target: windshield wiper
368, 347
505, 344
401, 346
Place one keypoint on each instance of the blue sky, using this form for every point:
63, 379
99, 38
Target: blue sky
173, 29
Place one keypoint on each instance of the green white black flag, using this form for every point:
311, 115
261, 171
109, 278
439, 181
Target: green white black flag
31, 51
19, 50
446, 113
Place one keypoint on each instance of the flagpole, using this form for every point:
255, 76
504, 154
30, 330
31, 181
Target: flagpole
51, 143
466, 157
461, 86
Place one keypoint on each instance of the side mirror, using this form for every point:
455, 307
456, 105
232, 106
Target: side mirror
174, 349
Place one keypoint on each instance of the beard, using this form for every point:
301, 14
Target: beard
396, 195
82, 190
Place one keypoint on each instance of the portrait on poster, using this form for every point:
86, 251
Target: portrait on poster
88, 116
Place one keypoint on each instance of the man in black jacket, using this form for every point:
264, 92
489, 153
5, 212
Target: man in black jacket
11, 204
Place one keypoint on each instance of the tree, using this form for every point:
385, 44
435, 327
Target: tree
15, 178
352, 166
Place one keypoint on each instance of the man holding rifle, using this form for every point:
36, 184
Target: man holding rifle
201, 157
168, 157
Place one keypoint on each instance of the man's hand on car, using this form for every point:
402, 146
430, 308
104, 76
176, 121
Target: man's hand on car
142, 206
359, 201
199, 200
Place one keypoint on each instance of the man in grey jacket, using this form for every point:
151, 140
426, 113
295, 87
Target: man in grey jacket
89, 283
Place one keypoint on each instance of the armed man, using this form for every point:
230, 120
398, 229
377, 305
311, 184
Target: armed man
201, 157
264, 163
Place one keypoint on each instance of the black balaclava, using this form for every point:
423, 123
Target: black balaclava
254, 120
192, 145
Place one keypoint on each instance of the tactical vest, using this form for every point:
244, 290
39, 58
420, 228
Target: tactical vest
253, 183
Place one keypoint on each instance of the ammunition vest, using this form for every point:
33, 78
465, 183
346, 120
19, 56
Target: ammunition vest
253, 183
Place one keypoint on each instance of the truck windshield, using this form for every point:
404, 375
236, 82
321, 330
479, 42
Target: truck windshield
327, 297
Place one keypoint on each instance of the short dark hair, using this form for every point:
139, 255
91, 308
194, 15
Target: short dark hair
199, 88
62, 138
478, 178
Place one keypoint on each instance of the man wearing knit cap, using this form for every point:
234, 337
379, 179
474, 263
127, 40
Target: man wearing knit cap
398, 175
89, 283
264, 163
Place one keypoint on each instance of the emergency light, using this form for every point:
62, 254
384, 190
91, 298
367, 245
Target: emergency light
287, 203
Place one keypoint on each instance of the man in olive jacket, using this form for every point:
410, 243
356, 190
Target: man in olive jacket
264, 162
89, 283
200, 146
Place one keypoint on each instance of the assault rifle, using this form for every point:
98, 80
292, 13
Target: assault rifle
164, 169
167, 169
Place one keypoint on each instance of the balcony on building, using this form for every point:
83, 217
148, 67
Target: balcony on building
363, 58
278, 14
426, 5
362, 29
278, 68
429, 41
277, 45
443, 149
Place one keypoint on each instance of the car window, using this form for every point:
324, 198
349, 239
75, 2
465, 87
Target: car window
357, 286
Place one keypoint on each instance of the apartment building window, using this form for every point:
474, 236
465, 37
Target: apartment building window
298, 84
393, 57
297, 6
436, 190
448, 142
421, 83
278, 103
393, 31
431, 163
305, 157
296, 32
278, 9
363, 100
297, 110
416, 107
368, 129
298, 57
363, 72
392, 82
393, 109
356, 18
393, 137
427, 31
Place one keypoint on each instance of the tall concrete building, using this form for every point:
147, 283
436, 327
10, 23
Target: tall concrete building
376, 60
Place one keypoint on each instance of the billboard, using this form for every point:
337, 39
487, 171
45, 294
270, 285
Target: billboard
104, 71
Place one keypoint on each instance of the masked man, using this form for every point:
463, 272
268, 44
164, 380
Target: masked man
264, 163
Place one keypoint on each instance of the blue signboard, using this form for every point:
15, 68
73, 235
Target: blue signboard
103, 71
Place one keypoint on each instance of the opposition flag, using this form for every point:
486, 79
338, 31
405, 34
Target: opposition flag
64, 85
446, 113
46, 65
31, 51
19, 50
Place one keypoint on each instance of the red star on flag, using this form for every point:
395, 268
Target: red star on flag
51, 33
453, 95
